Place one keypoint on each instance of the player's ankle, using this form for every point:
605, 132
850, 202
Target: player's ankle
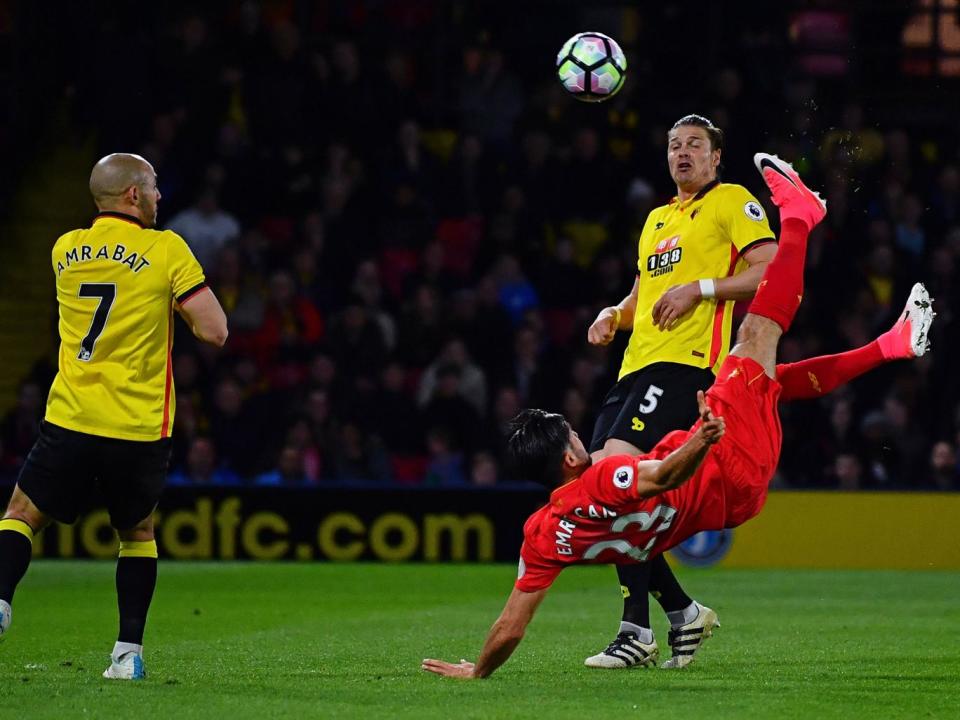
685, 615
644, 634
122, 648
890, 344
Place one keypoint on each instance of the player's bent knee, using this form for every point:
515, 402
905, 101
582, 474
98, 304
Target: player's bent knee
756, 329
141, 532
21, 508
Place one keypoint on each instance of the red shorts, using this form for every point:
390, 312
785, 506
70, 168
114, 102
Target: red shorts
747, 455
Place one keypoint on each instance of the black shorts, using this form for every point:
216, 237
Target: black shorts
65, 469
647, 404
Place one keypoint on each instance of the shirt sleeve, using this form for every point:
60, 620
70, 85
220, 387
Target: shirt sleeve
534, 573
184, 272
744, 219
612, 483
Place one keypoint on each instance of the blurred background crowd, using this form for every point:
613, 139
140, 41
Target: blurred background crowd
411, 227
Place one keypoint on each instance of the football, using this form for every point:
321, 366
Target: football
591, 66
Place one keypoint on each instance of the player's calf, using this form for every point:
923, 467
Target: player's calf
16, 549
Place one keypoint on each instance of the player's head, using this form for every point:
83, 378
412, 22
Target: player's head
694, 146
542, 447
126, 183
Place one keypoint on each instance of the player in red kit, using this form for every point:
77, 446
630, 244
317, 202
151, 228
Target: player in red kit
628, 508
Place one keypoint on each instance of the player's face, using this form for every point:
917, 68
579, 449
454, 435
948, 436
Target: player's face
576, 448
148, 200
692, 163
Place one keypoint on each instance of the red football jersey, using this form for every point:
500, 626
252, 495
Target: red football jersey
598, 517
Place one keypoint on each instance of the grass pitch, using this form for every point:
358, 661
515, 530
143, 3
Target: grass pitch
345, 641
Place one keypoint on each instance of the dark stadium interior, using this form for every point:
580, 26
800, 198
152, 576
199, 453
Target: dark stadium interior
411, 226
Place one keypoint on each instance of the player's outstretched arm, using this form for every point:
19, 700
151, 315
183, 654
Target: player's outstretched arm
504, 636
205, 317
678, 300
658, 476
613, 318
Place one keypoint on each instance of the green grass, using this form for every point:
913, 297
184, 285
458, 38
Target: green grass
345, 641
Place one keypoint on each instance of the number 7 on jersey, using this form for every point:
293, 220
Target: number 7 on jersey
107, 292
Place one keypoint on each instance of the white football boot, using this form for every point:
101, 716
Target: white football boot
909, 336
6, 617
128, 666
626, 651
686, 639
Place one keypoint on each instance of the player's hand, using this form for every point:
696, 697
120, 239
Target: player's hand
711, 428
463, 670
604, 328
674, 304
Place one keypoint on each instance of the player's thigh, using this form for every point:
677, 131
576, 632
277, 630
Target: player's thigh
131, 475
58, 474
663, 398
610, 409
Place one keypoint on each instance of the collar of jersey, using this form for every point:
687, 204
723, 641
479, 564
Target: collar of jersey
119, 216
699, 196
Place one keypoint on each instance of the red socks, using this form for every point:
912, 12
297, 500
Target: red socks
781, 290
819, 375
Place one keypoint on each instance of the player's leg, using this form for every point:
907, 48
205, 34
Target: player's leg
780, 292
50, 486
132, 476
690, 622
908, 338
636, 414
634, 645
634, 638
21, 521
136, 580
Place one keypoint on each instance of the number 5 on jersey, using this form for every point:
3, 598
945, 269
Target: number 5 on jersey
107, 292
651, 399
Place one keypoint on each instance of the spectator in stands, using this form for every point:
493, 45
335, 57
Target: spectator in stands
445, 464
506, 405
356, 339
367, 289
491, 98
299, 436
473, 381
234, 430
291, 327
289, 470
398, 420
202, 468
447, 408
943, 472
484, 470
240, 295
205, 227
421, 327
848, 472
517, 294
359, 457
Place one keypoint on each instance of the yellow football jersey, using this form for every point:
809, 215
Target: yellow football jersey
703, 237
116, 283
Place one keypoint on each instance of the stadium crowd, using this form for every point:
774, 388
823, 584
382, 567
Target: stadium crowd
411, 236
